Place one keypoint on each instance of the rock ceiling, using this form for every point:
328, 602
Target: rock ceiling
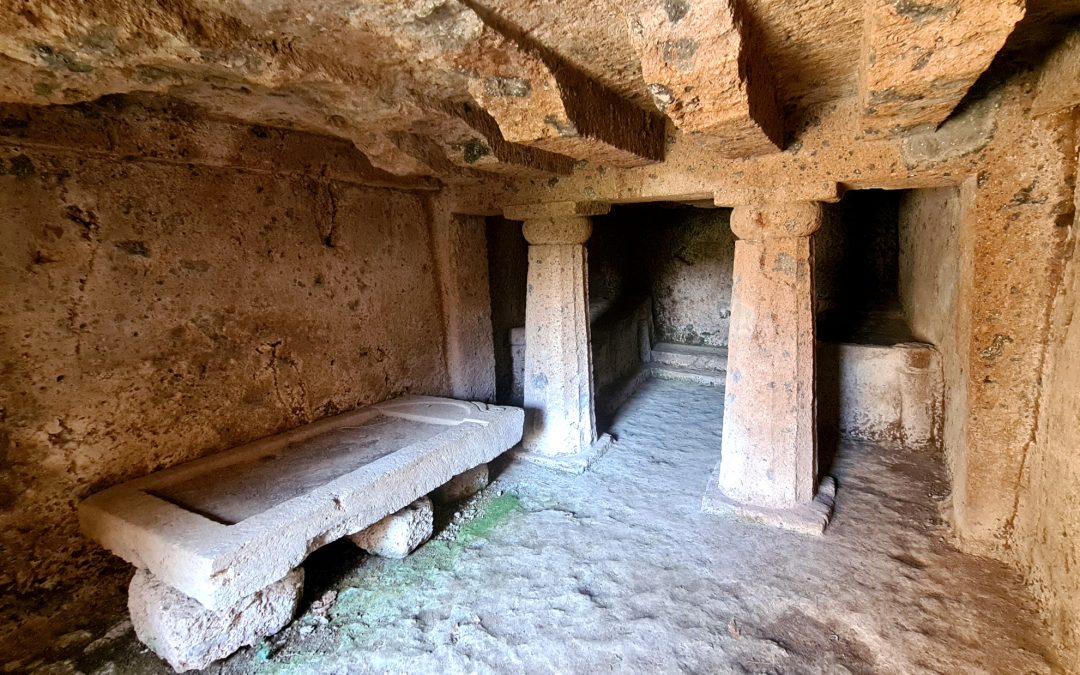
455, 88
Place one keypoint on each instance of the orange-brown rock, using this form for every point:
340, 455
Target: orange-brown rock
920, 58
540, 102
706, 73
1059, 83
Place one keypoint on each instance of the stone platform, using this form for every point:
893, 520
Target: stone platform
221, 528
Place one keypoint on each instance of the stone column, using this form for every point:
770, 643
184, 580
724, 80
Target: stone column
560, 419
768, 462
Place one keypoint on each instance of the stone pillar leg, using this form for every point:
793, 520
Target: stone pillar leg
191, 637
560, 419
768, 458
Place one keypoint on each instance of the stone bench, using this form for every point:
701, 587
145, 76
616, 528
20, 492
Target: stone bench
221, 529
892, 395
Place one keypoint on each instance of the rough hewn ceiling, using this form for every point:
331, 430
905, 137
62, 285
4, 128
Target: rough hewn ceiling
455, 88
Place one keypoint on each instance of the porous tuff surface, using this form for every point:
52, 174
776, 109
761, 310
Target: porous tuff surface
190, 637
400, 533
272, 502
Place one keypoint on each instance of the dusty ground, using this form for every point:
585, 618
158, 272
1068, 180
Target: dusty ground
617, 570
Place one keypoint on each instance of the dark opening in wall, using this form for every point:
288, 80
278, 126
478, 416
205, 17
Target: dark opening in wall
679, 255
508, 264
887, 277
857, 269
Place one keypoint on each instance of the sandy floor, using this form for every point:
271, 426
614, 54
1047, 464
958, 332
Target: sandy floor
617, 570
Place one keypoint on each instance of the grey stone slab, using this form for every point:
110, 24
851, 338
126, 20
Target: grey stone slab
222, 527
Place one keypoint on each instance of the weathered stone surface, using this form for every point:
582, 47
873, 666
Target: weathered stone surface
891, 395
376, 71
919, 59
539, 101
156, 309
810, 517
551, 210
472, 138
769, 452
400, 533
371, 92
621, 349
691, 257
1059, 83
704, 72
380, 77
274, 501
694, 357
776, 221
964, 133
1048, 512
461, 258
1003, 344
172, 132
463, 485
221, 58
190, 637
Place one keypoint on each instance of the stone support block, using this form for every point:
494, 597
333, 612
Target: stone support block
462, 486
543, 102
708, 74
400, 533
190, 637
920, 59
769, 445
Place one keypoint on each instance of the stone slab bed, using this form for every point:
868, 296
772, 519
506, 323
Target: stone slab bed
221, 528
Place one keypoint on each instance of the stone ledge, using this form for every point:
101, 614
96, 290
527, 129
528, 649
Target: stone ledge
698, 357
810, 518
297, 491
706, 378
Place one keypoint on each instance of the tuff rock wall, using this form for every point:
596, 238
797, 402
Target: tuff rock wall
157, 311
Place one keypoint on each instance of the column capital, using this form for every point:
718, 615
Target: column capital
558, 230
555, 210
776, 221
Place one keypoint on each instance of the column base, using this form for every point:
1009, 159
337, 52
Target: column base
809, 518
577, 462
